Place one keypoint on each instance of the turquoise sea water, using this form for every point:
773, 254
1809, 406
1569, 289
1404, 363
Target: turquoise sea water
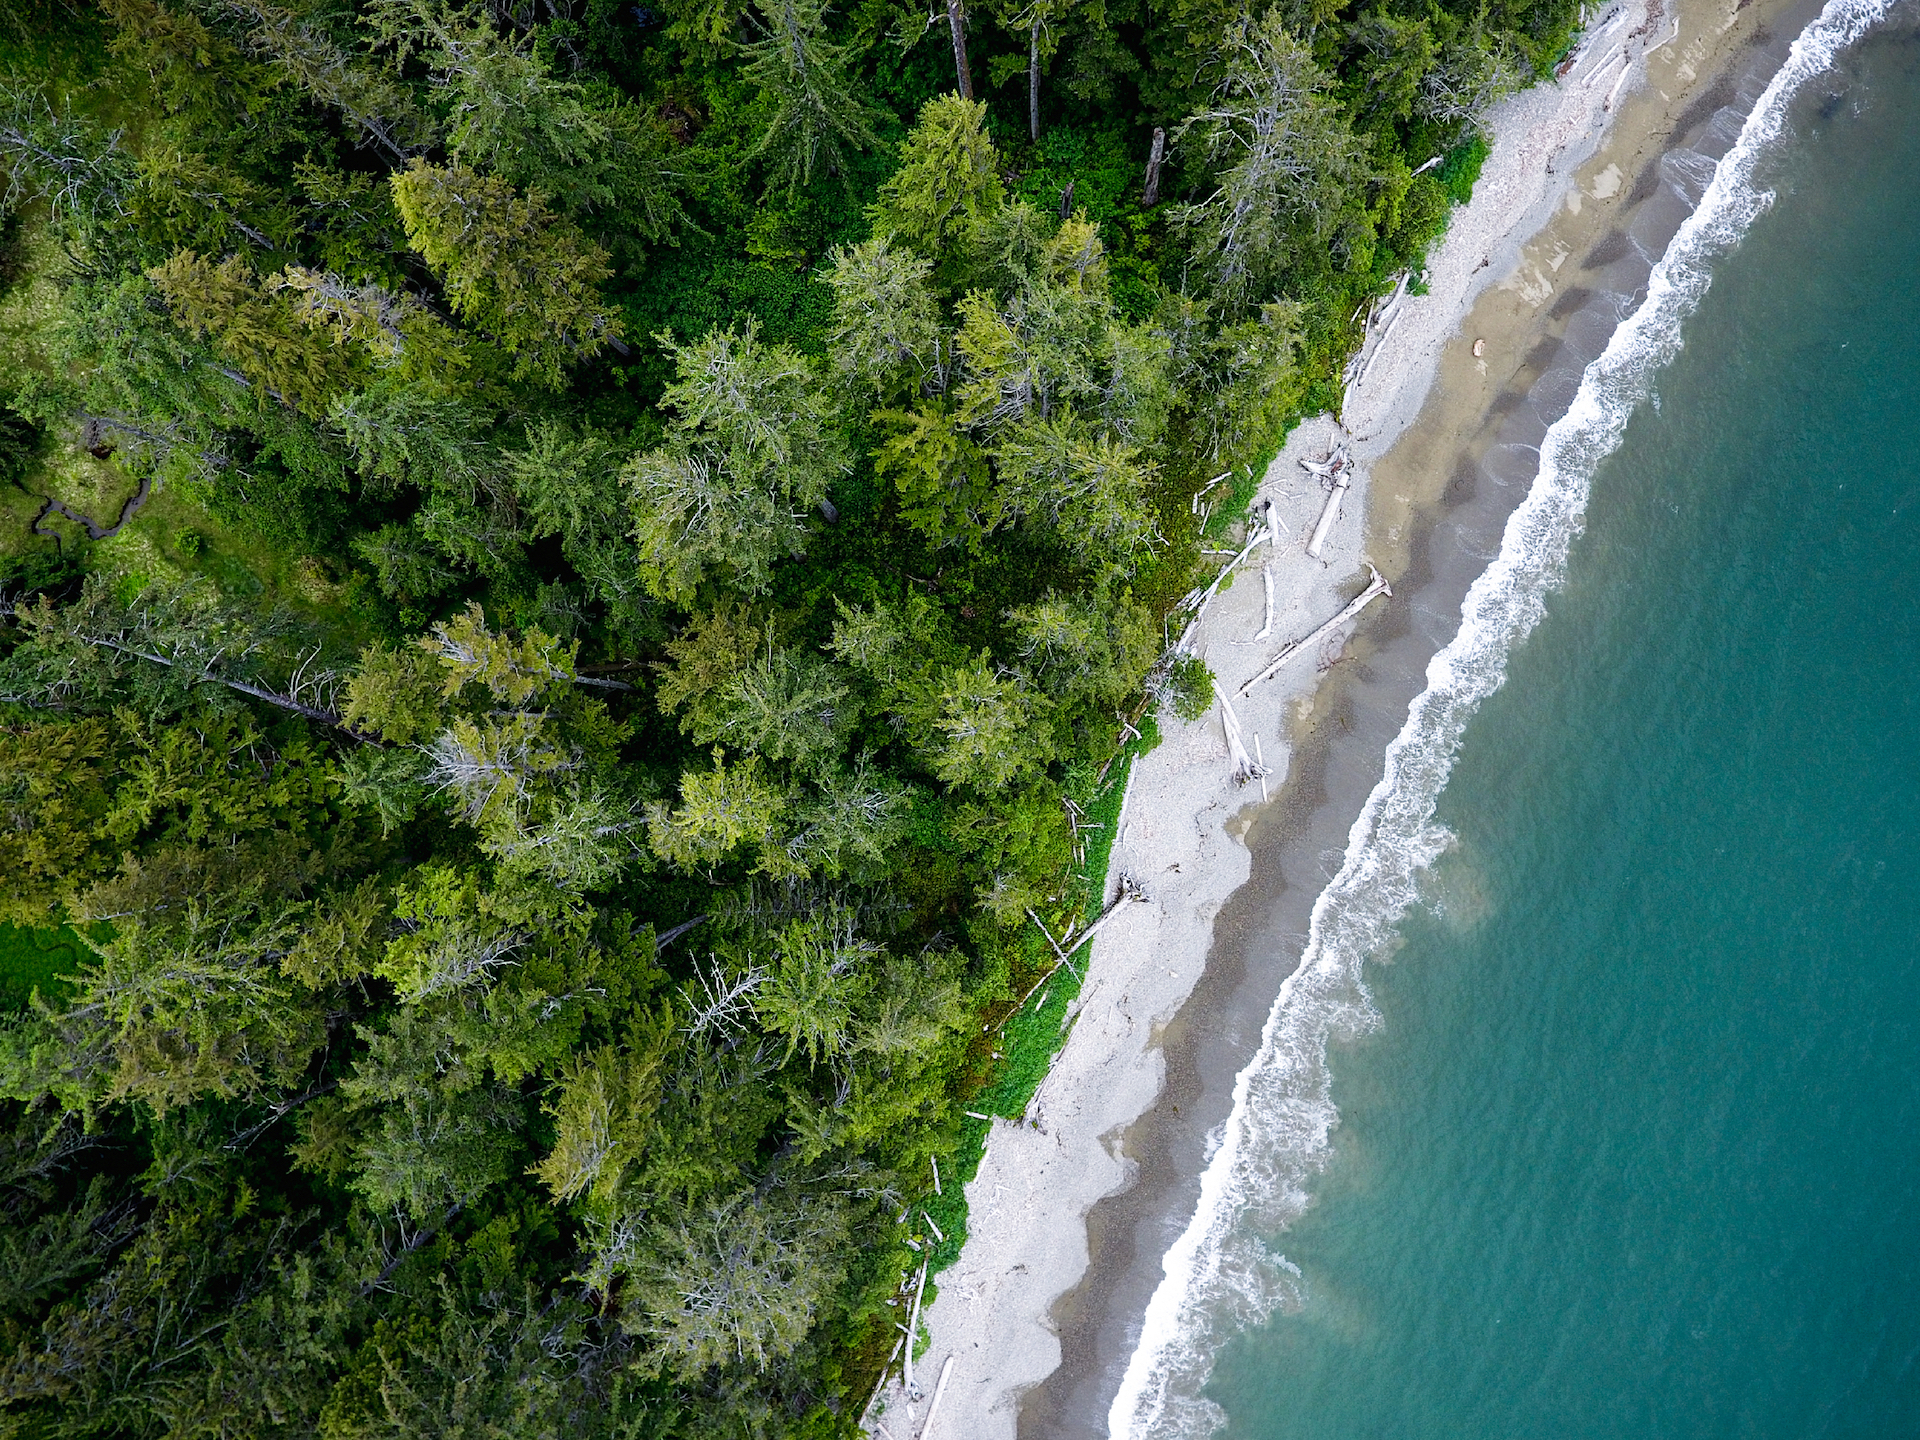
1634, 1149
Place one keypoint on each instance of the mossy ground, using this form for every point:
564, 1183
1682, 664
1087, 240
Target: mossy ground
35, 959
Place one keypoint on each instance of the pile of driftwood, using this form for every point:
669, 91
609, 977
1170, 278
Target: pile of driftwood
1335, 472
1376, 587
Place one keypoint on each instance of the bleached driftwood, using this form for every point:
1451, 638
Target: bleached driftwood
1129, 890
1206, 596
913, 1328
1260, 758
1244, 766
1614, 94
1120, 820
881, 1383
1033, 1110
1335, 462
1266, 576
1375, 588
1340, 477
1193, 507
1362, 363
1059, 954
1385, 336
1399, 294
933, 1408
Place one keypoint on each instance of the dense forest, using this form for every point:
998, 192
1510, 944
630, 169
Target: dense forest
639, 541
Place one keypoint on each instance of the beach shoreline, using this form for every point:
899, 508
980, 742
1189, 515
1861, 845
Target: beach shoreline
1073, 1206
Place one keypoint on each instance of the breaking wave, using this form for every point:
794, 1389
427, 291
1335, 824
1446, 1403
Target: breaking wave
1219, 1276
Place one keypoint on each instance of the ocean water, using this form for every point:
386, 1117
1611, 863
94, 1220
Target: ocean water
1594, 1108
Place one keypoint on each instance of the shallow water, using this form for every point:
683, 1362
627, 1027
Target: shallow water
1634, 1149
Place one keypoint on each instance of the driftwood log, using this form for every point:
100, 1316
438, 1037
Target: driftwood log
1337, 471
1244, 766
933, 1407
1375, 588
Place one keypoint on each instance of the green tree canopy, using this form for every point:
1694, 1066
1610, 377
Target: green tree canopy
750, 451
524, 276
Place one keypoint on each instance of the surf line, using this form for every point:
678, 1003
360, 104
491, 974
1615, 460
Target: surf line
1219, 1276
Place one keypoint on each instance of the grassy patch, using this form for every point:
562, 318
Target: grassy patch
170, 536
1030, 1038
1228, 501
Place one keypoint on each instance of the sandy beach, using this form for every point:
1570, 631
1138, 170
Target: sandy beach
1073, 1206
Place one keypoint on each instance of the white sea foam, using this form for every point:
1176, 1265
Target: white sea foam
1219, 1276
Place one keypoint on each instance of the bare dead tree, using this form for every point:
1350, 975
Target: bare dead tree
723, 1001
58, 155
184, 628
1155, 155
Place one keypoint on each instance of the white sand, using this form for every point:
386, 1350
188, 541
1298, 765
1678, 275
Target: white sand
1027, 1239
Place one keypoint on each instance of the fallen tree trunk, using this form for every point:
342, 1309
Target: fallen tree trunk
1212, 590
1328, 514
1375, 588
1128, 891
1266, 575
1244, 768
933, 1407
913, 1326
957, 23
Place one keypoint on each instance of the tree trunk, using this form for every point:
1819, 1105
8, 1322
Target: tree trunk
1154, 157
1033, 82
957, 22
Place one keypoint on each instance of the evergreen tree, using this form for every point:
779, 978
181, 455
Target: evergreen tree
51, 794
817, 974
817, 115
1285, 161
738, 1280
525, 856
751, 450
720, 810
375, 104
990, 725
886, 327
511, 116
948, 180
521, 274
254, 330
940, 475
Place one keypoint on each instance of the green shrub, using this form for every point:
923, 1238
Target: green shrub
1190, 687
1461, 168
